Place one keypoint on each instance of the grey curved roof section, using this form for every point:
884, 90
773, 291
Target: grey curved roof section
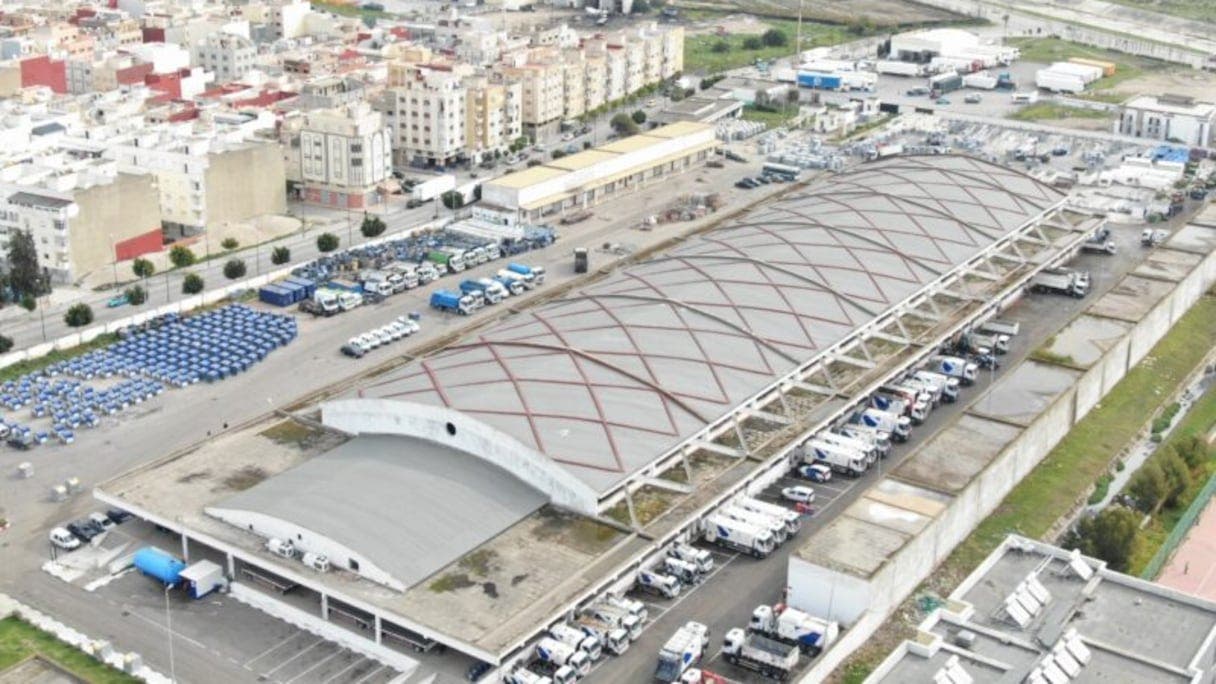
614, 375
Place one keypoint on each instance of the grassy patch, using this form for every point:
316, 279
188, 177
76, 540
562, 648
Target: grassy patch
244, 478
1046, 111
1101, 487
33, 365
699, 54
1034, 506
1045, 355
347, 9
1162, 422
290, 433
20, 640
772, 119
479, 562
451, 582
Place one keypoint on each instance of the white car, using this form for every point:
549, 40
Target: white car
799, 494
411, 326
63, 539
367, 342
381, 335
103, 520
397, 330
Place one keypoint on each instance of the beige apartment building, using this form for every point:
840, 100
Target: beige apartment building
345, 155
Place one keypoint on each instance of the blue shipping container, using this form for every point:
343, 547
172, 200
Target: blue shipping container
295, 290
822, 81
310, 287
159, 565
275, 295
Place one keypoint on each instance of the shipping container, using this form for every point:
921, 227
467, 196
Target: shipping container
1108, 68
276, 295
820, 81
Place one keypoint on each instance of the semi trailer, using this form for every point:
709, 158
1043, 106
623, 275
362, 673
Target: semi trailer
792, 626
730, 533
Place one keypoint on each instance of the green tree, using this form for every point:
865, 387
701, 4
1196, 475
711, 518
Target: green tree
327, 242
639, 117
720, 47
624, 124
136, 295
774, 38
6, 343
452, 200
24, 275
78, 315
1109, 535
192, 284
752, 43
1193, 450
1177, 475
280, 256
1148, 486
28, 302
234, 269
229, 243
181, 256
372, 226
143, 268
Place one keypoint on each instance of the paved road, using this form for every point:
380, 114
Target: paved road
728, 598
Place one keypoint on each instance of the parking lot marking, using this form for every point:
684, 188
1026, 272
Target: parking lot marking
323, 661
306, 650
348, 668
176, 634
368, 676
271, 649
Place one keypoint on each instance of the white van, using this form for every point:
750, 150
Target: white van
64, 539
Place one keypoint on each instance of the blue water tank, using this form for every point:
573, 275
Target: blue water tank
158, 564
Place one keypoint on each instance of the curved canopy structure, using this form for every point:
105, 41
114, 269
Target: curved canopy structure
609, 378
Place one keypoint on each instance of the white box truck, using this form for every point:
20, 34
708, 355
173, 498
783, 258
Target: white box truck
793, 521
618, 618
759, 653
773, 525
899, 427
615, 640
577, 638
682, 651
550, 650
839, 459
701, 558
954, 367
658, 583
894, 68
791, 626
430, 189
732, 534
849, 442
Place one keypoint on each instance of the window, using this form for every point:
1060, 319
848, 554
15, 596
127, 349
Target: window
354, 564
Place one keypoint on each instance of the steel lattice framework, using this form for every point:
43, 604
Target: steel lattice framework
614, 375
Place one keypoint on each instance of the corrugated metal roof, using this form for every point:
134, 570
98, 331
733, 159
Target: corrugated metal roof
408, 505
612, 376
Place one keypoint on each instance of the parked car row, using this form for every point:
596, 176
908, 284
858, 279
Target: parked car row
399, 328
85, 530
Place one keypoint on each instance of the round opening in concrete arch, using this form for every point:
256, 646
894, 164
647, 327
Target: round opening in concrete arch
452, 429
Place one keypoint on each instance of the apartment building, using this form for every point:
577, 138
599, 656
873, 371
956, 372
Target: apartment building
542, 79
426, 104
1169, 118
227, 55
204, 181
493, 119
345, 154
89, 75
82, 218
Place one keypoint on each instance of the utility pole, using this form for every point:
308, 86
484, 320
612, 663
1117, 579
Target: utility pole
798, 40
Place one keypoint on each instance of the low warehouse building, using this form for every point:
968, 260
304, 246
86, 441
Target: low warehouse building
476, 495
596, 175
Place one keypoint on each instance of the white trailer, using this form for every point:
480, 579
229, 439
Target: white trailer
430, 189
1058, 82
793, 521
862, 446
773, 525
732, 534
980, 80
792, 626
879, 439
682, 651
759, 653
577, 638
1002, 326
896, 68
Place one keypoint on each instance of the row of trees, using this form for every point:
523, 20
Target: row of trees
771, 38
1160, 483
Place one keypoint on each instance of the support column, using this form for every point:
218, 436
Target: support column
185, 548
231, 566
377, 617
325, 607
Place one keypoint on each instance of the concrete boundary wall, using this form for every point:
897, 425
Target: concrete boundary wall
102, 651
181, 306
908, 567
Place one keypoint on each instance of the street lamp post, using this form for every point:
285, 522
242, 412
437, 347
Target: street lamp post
169, 632
114, 263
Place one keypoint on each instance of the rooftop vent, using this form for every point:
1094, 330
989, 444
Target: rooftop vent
952, 673
965, 639
1078, 565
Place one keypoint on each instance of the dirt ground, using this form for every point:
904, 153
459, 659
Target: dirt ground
1197, 84
877, 12
731, 24
1083, 124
